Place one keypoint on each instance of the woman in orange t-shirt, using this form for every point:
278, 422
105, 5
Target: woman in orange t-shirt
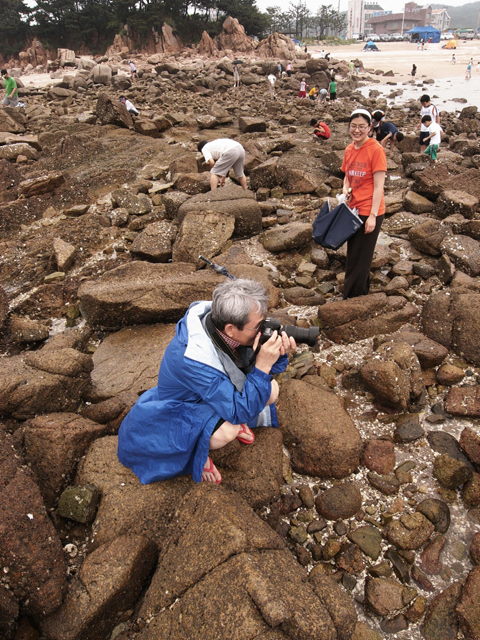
365, 166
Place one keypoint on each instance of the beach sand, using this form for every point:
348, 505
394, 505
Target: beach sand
434, 63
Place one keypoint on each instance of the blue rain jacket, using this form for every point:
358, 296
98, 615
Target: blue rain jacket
167, 432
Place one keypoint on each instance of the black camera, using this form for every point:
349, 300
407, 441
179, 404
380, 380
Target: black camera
301, 336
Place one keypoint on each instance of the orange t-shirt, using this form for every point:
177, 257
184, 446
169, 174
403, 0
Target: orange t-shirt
359, 165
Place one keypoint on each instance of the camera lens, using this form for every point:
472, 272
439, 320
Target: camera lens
302, 336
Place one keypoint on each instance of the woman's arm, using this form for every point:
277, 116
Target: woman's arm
346, 186
378, 185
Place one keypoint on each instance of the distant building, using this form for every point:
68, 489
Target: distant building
358, 13
413, 16
440, 19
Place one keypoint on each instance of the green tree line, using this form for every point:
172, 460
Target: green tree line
92, 24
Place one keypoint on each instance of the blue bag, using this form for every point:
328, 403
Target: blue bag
333, 227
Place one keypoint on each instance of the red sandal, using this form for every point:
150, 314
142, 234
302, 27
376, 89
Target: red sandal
248, 431
209, 469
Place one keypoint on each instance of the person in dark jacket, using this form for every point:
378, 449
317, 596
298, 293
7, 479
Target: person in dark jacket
212, 388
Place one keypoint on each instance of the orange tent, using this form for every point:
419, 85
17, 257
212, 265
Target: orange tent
451, 44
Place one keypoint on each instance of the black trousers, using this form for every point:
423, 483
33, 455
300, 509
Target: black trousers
360, 249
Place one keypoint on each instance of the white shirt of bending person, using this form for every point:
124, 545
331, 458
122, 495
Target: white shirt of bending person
213, 150
272, 79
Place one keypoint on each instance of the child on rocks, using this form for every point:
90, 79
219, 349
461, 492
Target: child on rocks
302, 93
434, 138
332, 88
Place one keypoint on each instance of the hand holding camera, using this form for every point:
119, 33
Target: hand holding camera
278, 344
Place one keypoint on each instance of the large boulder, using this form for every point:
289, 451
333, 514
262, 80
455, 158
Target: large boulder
192, 550
232, 201
101, 74
452, 318
110, 111
287, 237
393, 375
277, 46
9, 123
29, 546
53, 446
253, 584
321, 438
128, 360
233, 37
108, 584
155, 243
39, 382
453, 202
144, 293
202, 234
416, 203
468, 608
427, 236
127, 507
464, 252
359, 318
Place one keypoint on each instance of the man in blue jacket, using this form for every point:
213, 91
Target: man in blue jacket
211, 389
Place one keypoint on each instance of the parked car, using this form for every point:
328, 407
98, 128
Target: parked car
384, 37
446, 36
374, 37
396, 37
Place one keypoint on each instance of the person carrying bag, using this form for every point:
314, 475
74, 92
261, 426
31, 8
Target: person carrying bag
333, 227
365, 167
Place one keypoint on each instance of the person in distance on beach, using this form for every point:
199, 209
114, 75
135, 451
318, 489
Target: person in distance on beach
365, 167
133, 70
414, 70
468, 73
236, 76
11, 91
128, 106
222, 155
212, 388
271, 78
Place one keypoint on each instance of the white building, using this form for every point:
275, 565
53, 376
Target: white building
440, 19
359, 11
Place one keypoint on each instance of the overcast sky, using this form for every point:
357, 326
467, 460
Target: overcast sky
390, 5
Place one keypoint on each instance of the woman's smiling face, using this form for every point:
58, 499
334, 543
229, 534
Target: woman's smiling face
359, 128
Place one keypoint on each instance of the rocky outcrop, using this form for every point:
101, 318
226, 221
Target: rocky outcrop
359, 318
322, 438
108, 584
233, 37
230, 201
30, 549
144, 293
452, 319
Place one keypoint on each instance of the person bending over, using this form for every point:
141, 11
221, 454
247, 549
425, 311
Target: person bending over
222, 155
389, 133
129, 106
213, 387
